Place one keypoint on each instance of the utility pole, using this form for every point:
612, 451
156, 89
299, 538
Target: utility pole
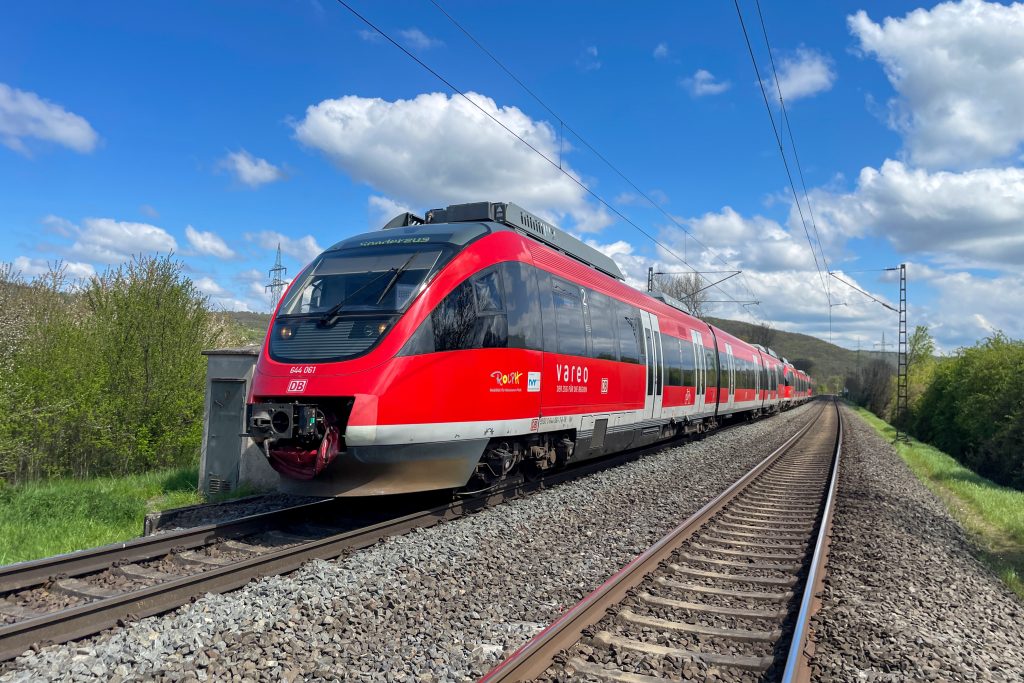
882, 344
902, 382
650, 279
277, 283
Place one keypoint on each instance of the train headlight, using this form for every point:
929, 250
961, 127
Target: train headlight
286, 332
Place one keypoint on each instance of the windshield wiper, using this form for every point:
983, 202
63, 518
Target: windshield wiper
394, 278
330, 315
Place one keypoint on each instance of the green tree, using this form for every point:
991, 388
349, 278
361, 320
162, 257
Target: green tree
107, 376
973, 408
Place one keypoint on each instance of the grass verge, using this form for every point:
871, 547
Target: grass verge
992, 514
45, 518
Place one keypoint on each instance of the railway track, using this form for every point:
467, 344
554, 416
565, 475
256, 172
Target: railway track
71, 596
730, 591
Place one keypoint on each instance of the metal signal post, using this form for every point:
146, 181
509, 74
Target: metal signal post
902, 382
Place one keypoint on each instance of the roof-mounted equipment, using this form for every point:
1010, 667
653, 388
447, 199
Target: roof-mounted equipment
404, 220
671, 301
521, 220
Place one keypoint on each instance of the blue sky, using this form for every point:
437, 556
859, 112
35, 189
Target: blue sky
220, 129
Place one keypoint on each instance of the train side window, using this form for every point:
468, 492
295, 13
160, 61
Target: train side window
673, 362
454, 319
711, 363
689, 367
628, 326
547, 311
522, 304
488, 291
491, 328
603, 339
568, 304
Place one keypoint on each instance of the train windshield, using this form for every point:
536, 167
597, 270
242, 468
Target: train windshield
363, 280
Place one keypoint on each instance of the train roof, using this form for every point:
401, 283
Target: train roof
460, 224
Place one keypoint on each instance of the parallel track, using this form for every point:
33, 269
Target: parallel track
732, 589
71, 596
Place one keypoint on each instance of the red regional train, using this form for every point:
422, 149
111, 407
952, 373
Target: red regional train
451, 350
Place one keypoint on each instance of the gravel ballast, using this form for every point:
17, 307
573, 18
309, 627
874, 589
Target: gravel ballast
904, 597
441, 604
213, 513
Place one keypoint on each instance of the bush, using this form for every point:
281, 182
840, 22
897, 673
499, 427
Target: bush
104, 377
973, 409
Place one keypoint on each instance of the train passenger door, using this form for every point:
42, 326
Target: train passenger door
655, 368
757, 381
731, 362
701, 370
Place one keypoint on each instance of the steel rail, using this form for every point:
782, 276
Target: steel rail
533, 658
38, 572
801, 648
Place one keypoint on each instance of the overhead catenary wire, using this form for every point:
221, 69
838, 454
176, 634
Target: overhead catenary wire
563, 125
870, 296
792, 141
555, 164
782, 151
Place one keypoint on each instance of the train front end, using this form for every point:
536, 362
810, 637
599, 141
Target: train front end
332, 362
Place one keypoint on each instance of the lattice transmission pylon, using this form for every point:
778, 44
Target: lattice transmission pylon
277, 281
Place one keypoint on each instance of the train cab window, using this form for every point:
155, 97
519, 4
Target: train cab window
522, 305
628, 326
603, 341
569, 321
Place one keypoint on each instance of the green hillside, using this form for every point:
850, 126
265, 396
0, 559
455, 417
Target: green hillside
816, 356
244, 327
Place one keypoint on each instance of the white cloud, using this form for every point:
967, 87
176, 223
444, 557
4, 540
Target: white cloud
223, 299
967, 306
148, 210
59, 226
975, 217
109, 241
209, 286
251, 170
26, 115
958, 70
304, 249
752, 243
209, 243
432, 150
31, 267
588, 59
418, 40
661, 51
383, 209
804, 74
703, 82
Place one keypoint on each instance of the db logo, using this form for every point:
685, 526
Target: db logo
296, 386
604, 385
